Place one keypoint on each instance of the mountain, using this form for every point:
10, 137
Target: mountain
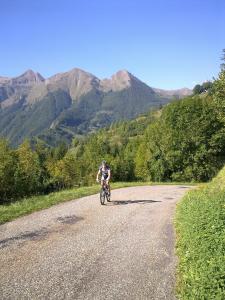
70, 103
178, 94
12, 90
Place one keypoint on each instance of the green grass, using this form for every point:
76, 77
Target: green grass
200, 227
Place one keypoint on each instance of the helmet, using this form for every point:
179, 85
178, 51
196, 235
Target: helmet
103, 162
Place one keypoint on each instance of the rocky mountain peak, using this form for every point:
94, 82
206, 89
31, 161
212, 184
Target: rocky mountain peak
119, 81
76, 82
28, 77
122, 74
75, 74
4, 79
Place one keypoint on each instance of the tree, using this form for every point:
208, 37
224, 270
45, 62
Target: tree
70, 170
205, 87
7, 169
59, 151
141, 162
64, 173
219, 91
43, 153
27, 173
222, 66
197, 89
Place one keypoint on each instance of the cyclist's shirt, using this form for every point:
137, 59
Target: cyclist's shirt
105, 172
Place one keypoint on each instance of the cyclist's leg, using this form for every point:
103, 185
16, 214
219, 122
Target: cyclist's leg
103, 183
109, 189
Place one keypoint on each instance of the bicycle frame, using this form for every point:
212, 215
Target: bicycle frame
104, 185
104, 192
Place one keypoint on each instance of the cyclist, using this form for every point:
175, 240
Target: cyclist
104, 171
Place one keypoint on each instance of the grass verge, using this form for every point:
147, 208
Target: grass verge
200, 228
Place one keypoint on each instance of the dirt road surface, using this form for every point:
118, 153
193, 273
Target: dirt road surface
82, 250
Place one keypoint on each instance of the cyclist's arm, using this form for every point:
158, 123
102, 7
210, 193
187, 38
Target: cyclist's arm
98, 175
109, 172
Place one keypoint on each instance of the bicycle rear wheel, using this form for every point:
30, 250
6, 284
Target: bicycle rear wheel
102, 197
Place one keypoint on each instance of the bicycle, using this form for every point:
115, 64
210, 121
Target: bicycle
104, 193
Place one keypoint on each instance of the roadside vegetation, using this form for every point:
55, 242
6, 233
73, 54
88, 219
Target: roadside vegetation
200, 226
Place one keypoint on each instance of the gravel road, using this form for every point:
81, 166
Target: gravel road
82, 250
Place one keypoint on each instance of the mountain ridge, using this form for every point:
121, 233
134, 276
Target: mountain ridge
58, 76
70, 103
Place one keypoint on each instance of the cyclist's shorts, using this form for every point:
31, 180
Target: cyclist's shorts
104, 177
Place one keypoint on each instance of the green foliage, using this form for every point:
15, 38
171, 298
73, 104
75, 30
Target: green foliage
117, 144
200, 225
219, 96
7, 169
63, 172
185, 144
27, 173
202, 88
223, 61
197, 89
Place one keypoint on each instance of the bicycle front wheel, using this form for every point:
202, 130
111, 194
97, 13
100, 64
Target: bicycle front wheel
107, 196
102, 197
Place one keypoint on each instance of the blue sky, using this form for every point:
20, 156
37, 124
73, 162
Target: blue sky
166, 43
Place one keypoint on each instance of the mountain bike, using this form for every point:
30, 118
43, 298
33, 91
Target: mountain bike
104, 193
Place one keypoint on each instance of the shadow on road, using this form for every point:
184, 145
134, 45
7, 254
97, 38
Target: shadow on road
70, 220
39, 234
124, 202
30, 235
183, 187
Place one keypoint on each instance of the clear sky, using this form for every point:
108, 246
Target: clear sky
166, 43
